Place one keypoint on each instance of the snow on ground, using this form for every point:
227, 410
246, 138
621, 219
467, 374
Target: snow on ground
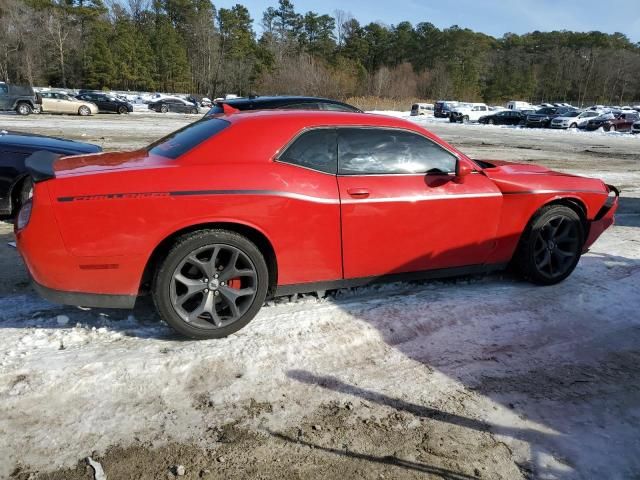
486, 373
551, 372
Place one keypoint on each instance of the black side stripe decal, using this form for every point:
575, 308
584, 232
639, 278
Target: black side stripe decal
183, 193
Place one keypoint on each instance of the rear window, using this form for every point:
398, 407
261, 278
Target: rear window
181, 141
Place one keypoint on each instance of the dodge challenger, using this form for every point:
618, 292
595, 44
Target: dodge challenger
216, 217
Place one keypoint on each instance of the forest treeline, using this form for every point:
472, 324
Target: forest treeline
191, 46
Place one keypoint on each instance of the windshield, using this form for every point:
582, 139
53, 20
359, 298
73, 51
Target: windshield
181, 141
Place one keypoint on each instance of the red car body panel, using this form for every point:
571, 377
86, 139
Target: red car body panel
94, 227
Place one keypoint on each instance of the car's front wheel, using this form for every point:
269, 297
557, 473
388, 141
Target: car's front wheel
164, 109
551, 246
84, 111
211, 284
122, 110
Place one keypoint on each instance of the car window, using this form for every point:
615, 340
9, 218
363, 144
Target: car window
4, 89
300, 106
315, 149
363, 151
183, 140
335, 107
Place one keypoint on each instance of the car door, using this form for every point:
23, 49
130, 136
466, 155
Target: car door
66, 104
307, 170
403, 209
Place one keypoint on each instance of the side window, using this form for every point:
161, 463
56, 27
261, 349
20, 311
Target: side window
301, 106
334, 107
363, 151
3, 89
315, 149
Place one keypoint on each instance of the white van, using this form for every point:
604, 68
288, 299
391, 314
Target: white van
518, 105
421, 109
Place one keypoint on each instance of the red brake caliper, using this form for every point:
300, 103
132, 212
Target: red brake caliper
234, 283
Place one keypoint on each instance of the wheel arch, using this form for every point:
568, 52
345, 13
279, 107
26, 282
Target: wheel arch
575, 204
256, 236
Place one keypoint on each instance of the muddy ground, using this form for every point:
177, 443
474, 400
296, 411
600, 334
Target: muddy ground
468, 378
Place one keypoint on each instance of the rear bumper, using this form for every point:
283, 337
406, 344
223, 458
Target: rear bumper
96, 300
100, 281
603, 220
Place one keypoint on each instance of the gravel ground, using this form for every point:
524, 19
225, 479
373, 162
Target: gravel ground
470, 378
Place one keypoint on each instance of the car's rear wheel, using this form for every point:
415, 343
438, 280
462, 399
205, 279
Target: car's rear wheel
465, 119
23, 108
194, 110
551, 246
164, 109
573, 125
612, 128
492, 121
84, 111
211, 284
122, 110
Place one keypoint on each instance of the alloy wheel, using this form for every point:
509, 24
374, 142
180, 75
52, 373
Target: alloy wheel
556, 247
213, 286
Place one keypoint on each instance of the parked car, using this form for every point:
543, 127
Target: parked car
21, 99
468, 112
15, 148
377, 198
173, 104
503, 117
418, 109
107, 103
573, 119
57, 102
613, 121
442, 108
279, 103
543, 117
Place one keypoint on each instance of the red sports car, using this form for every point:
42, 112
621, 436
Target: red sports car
219, 215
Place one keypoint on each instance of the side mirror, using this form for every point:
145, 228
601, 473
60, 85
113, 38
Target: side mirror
463, 168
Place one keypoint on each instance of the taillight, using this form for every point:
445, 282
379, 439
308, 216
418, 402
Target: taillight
24, 215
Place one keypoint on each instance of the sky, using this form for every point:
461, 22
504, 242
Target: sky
494, 17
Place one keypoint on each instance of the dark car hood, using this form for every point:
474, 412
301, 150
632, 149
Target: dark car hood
41, 142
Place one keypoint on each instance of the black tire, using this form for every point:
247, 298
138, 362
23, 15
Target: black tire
465, 119
573, 125
122, 110
23, 192
612, 128
491, 121
84, 111
547, 236
23, 108
164, 109
194, 110
186, 247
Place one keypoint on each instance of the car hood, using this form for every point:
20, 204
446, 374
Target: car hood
108, 162
530, 178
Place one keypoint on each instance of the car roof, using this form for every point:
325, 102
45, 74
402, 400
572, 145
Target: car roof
250, 102
318, 117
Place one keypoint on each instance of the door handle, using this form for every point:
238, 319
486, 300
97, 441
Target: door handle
358, 192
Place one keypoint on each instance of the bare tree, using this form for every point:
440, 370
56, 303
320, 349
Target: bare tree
58, 32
